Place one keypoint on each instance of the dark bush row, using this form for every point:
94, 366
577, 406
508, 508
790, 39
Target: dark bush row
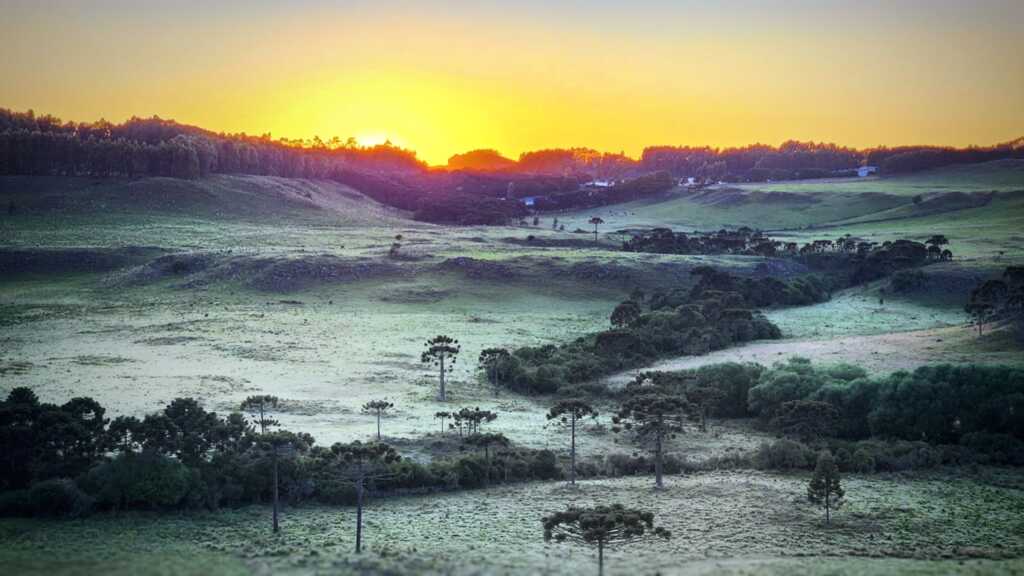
718, 312
943, 404
66, 460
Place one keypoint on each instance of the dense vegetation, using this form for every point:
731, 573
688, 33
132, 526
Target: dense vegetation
718, 311
71, 459
974, 409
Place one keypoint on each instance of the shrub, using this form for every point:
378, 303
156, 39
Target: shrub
58, 497
545, 465
784, 455
862, 461
146, 480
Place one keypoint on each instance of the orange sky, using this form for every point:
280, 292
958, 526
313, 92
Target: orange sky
445, 77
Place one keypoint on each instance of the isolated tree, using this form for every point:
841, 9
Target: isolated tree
653, 417
596, 221
362, 463
568, 413
601, 526
824, 488
442, 416
280, 445
377, 408
554, 224
985, 301
259, 407
536, 220
625, 314
490, 360
394, 250
937, 240
442, 351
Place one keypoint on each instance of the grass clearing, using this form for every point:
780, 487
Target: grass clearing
741, 519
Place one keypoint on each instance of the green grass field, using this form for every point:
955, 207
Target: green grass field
206, 289
736, 522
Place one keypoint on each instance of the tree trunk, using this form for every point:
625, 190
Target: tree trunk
600, 558
572, 454
378, 425
443, 396
595, 233
657, 463
276, 528
359, 515
828, 505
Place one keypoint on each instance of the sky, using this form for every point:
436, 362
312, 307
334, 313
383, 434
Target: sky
446, 77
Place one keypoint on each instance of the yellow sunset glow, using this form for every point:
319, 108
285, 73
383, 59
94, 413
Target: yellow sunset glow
443, 78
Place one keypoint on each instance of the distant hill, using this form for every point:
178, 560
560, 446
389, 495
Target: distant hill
486, 160
215, 197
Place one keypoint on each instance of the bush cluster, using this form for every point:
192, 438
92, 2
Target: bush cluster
715, 314
68, 460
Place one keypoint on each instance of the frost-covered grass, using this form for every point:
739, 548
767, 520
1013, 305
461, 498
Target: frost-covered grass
741, 522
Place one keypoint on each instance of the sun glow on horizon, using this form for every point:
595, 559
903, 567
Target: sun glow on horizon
445, 78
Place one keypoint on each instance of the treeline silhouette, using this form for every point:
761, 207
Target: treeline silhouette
801, 160
480, 186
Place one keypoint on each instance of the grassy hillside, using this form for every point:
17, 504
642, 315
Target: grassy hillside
796, 205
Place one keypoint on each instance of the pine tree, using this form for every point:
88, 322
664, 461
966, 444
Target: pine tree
824, 488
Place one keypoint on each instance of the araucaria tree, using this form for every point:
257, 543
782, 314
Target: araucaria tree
490, 360
361, 464
596, 221
377, 408
824, 488
259, 407
442, 416
442, 352
568, 413
653, 417
601, 526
